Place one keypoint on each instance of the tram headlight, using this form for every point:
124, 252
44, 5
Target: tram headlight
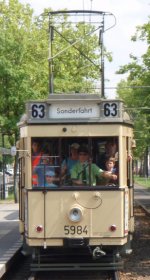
75, 214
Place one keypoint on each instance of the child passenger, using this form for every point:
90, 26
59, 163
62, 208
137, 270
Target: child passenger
111, 150
50, 179
110, 168
110, 165
46, 164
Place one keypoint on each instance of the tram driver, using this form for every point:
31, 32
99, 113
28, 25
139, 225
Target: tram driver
85, 172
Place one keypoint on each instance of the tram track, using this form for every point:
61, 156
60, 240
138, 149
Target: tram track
75, 275
145, 208
21, 271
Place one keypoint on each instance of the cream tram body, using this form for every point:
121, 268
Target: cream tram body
98, 216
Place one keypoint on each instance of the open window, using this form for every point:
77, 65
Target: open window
57, 162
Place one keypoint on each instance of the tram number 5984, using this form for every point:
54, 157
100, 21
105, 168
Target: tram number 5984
75, 230
110, 109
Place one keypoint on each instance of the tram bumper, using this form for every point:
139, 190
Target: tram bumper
76, 242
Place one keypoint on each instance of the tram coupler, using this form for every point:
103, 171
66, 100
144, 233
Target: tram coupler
98, 253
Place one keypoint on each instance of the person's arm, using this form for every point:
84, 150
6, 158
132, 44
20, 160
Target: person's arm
106, 174
75, 175
109, 175
64, 167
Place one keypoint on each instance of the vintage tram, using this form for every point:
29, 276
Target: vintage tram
67, 219
69, 222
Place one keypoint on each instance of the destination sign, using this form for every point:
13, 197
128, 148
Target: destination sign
77, 110
67, 110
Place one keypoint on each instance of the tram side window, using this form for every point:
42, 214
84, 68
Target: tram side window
129, 162
45, 162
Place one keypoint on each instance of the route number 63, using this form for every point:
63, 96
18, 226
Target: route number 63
38, 111
110, 109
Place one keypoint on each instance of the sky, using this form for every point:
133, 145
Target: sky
128, 13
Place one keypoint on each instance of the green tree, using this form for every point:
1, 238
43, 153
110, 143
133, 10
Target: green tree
19, 59
135, 91
24, 59
24, 72
20, 66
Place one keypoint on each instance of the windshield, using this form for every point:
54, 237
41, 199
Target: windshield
65, 162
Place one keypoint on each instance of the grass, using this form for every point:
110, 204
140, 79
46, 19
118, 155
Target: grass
10, 196
9, 199
143, 181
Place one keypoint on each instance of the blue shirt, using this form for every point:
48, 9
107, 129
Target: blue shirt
69, 163
52, 185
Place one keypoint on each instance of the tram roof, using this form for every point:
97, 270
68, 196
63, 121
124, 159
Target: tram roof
75, 96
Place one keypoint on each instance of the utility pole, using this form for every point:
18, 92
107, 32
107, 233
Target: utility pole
102, 58
3, 164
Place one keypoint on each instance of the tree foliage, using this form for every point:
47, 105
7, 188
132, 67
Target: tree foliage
135, 90
24, 72
19, 59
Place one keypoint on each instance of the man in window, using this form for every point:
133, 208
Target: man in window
85, 172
